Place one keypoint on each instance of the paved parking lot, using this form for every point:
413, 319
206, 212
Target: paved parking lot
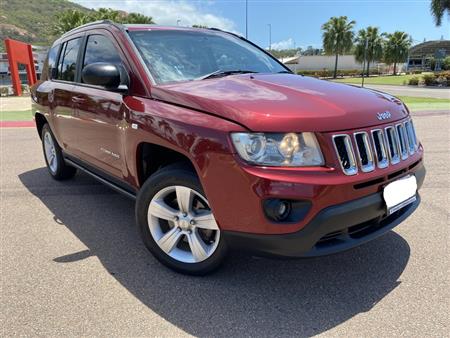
72, 263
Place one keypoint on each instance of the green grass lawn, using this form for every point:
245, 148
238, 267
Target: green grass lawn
16, 115
425, 103
398, 80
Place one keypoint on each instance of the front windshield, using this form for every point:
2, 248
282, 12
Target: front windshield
174, 56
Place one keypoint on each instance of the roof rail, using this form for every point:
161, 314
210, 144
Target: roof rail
94, 23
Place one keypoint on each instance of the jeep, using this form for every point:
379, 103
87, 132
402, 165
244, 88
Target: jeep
222, 147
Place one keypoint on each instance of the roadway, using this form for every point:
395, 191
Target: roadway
72, 264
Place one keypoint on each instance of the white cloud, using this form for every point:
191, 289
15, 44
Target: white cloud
165, 12
284, 44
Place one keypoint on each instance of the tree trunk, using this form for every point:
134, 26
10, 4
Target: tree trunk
368, 68
395, 68
335, 66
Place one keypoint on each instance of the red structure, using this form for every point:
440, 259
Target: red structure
20, 52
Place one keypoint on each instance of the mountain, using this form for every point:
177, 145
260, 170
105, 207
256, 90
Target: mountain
31, 21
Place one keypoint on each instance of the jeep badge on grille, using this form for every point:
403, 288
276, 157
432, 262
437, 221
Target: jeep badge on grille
383, 116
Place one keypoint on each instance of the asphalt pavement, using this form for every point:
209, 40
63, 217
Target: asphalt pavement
72, 264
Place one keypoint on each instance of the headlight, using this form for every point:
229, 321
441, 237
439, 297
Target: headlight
291, 150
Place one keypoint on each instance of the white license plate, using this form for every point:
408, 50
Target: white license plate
400, 193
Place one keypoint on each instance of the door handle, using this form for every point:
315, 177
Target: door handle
78, 99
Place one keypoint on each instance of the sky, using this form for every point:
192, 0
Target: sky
293, 23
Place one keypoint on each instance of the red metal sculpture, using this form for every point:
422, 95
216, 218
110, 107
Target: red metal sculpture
20, 52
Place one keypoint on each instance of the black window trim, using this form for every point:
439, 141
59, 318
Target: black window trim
63, 43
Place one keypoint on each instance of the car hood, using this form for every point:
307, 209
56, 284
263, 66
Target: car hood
283, 102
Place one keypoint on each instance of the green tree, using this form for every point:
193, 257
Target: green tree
337, 37
120, 16
438, 10
199, 26
396, 48
374, 46
139, 18
71, 19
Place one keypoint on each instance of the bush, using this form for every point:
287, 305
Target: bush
446, 63
429, 79
445, 74
4, 91
330, 72
414, 81
415, 72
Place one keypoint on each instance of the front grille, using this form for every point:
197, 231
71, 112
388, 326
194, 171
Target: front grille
386, 147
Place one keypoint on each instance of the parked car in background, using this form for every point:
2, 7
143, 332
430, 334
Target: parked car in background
222, 146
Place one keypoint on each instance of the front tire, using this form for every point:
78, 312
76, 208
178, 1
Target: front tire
177, 224
54, 159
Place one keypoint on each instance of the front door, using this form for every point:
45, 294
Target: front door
100, 113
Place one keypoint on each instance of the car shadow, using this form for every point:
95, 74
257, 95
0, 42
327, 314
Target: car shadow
247, 296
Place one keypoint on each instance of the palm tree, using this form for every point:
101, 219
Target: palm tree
374, 50
396, 48
438, 9
337, 37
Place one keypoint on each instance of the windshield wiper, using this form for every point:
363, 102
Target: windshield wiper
220, 73
284, 72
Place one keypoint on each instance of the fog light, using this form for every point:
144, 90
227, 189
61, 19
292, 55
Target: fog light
277, 210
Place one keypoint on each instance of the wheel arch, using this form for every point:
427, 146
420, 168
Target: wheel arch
151, 157
40, 122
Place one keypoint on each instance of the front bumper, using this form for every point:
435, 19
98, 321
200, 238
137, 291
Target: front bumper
333, 229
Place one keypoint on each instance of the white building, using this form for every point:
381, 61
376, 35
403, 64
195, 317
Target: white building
322, 62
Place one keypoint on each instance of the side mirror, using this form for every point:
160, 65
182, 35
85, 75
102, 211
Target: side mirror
103, 74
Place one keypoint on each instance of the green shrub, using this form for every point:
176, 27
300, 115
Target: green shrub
429, 79
446, 63
414, 81
4, 91
415, 72
445, 74
340, 72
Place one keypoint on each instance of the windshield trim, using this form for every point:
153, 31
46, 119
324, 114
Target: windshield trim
153, 79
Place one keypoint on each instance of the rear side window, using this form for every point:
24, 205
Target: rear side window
51, 61
100, 49
68, 60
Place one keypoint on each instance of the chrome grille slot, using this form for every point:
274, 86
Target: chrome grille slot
380, 148
343, 146
403, 141
364, 151
411, 137
393, 146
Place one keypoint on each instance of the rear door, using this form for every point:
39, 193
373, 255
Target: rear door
60, 96
100, 114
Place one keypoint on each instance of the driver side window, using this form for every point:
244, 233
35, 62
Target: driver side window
100, 49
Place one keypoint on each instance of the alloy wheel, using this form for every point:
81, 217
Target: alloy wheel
183, 225
50, 152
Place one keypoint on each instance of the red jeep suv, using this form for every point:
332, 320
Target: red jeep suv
222, 146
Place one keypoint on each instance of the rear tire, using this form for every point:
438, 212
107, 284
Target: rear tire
176, 223
54, 159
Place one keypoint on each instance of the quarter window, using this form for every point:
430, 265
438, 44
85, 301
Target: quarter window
68, 60
51, 63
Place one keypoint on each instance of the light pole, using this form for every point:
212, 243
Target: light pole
364, 63
270, 36
246, 19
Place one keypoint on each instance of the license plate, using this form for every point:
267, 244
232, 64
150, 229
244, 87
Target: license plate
400, 193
